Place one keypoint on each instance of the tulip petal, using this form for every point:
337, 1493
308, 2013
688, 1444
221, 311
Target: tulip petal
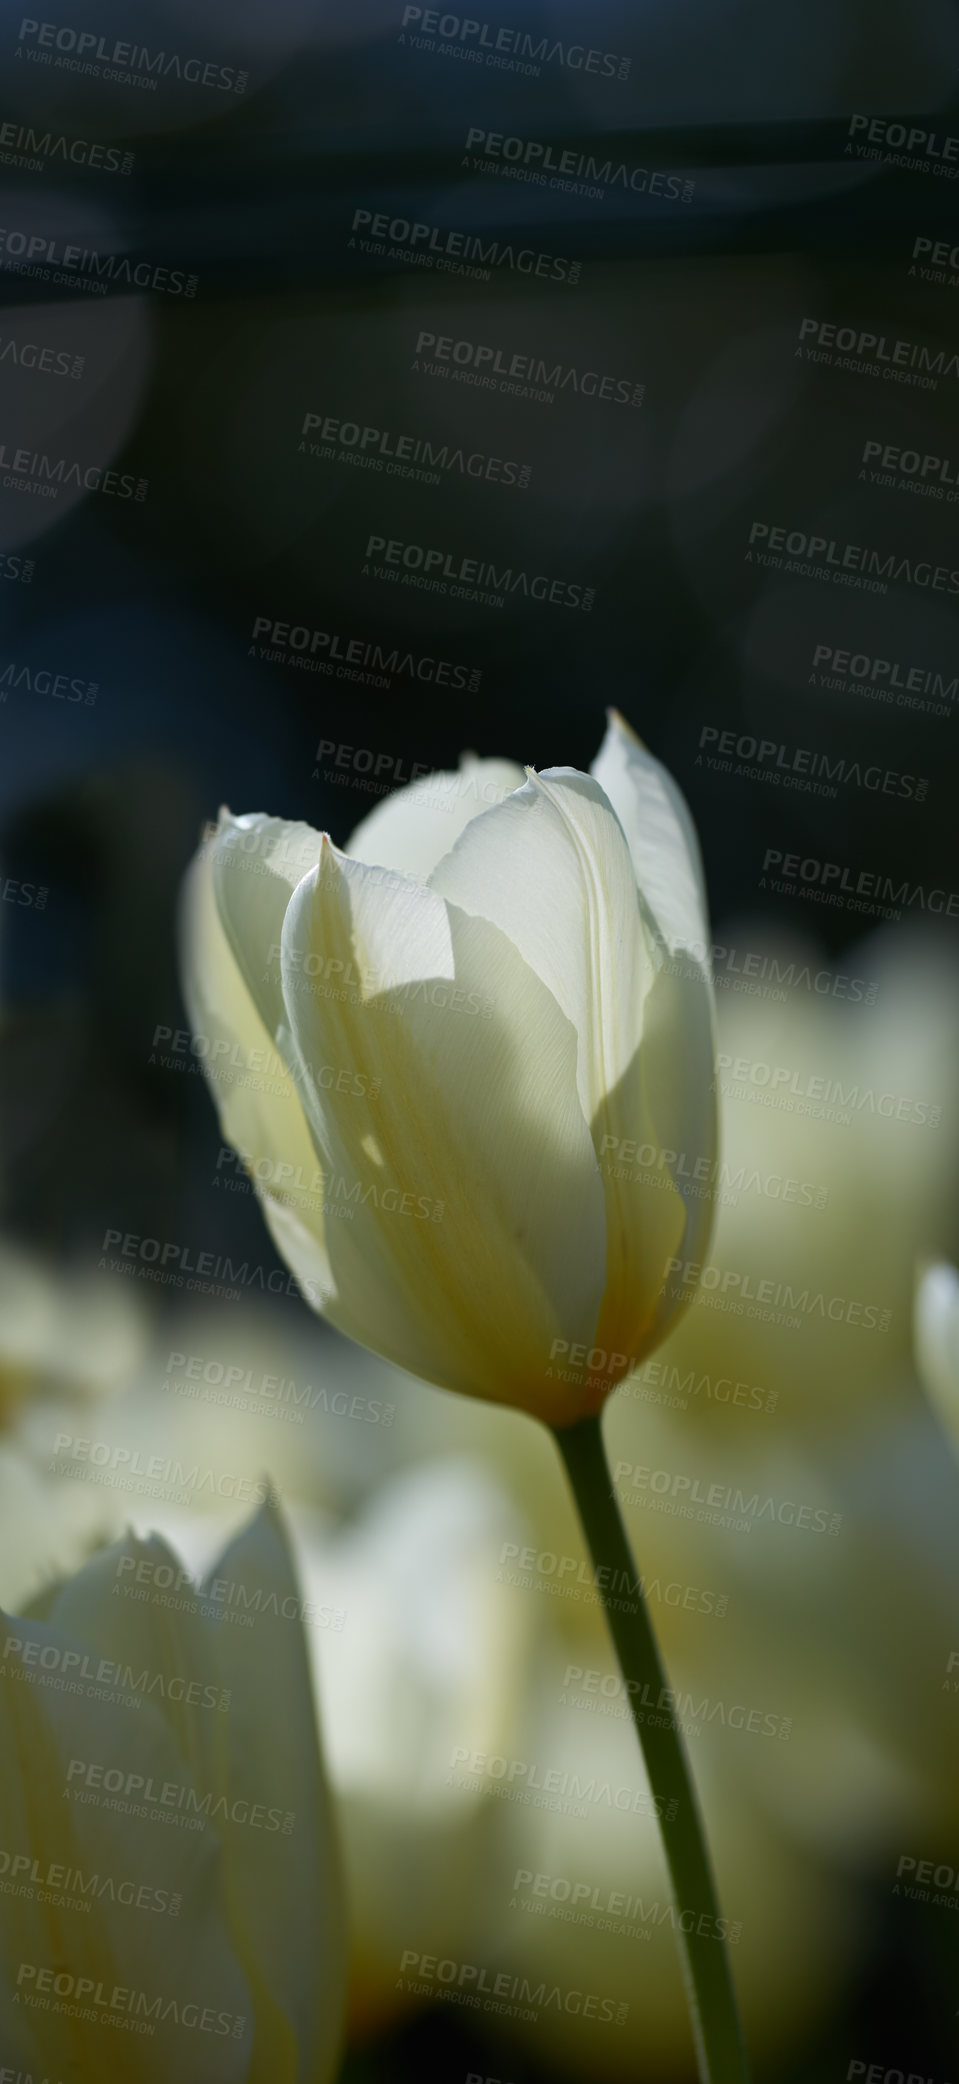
281, 1881
679, 1093
414, 827
435, 1652
659, 832
63, 1755
551, 867
285, 1891
230, 1001
679, 1021
471, 1235
257, 862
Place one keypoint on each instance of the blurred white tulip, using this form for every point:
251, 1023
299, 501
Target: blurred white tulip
170, 1901
937, 1342
431, 1646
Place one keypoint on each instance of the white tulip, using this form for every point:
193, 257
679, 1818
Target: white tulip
435, 1648
477, 1022
169, 1885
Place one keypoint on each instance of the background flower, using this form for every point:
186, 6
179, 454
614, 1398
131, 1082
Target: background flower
937, 1341
145, 1744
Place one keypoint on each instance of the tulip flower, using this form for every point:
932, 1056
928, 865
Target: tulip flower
169, 1895
487, 1137
486, 1124
436, 1651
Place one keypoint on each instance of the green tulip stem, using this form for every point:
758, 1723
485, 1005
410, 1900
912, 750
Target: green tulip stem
720, 2052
